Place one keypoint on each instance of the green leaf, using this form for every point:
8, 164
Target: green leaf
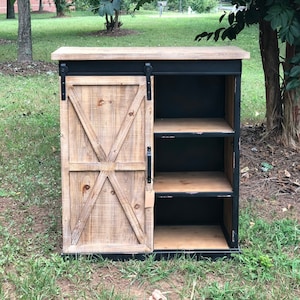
222, 17
217, 33
209, 35
295, 28
293, 84
230, 18
239, 17
269, 2
229, 33
295, 71
296, 58
200, 36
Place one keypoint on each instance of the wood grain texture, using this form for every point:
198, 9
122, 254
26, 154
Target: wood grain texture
104, 134
189, 238
150, 53
191, 182
192, 125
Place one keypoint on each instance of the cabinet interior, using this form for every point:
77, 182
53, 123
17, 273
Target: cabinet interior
193, 161
192, 222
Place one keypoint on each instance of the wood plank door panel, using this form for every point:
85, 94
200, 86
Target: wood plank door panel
106, 128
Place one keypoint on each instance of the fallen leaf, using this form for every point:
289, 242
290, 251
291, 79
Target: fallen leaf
157, 295
287, 174
244, 170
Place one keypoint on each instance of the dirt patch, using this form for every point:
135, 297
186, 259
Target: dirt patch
28, 68
114, 33
270, 175
5, 42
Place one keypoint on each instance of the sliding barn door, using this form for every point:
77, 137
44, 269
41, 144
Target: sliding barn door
106, 145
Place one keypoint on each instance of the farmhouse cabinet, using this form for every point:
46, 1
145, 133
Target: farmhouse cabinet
150, 149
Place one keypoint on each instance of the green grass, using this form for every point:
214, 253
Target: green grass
170, 30
30, 198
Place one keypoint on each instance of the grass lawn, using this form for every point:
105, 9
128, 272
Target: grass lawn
30, 197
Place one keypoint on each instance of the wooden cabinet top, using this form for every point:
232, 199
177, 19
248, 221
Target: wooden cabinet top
150, 53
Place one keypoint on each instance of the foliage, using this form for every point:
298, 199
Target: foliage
284, 16
294, 73
201, 6
61, 7
275, 18
108, 8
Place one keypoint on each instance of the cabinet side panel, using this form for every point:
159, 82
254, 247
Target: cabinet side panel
228, 216
230, 100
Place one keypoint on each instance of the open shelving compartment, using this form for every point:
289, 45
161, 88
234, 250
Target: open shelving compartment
194, 162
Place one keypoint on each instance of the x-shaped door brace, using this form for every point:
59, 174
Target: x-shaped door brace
107, 169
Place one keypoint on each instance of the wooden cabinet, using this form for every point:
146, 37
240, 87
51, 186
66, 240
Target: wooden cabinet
150, 149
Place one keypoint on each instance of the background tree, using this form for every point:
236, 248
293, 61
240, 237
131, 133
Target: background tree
61, 7
10, 10
279, 20
110, 9
24, 31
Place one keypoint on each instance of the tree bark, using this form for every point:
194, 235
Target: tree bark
270, 60
24, 32
60, 8
291, 98
41, 8
10, 10
116, 26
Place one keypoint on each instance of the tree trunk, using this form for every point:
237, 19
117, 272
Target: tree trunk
24, 32
41, 8
116, 26
10, 10
291, 98
270, 60
60, 8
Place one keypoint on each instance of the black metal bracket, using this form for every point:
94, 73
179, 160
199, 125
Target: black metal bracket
148, 164
63, 70
148, 70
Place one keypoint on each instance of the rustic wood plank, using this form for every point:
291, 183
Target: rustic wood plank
107, 164
66, 202
127, 122
191, 182
97, 166
88, 206
86, 124
150, 53
127, 209
149, 193
92, 248
189, 238
197, 126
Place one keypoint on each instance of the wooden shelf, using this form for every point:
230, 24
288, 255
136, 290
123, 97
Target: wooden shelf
189, 238
191, 182
196, 126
